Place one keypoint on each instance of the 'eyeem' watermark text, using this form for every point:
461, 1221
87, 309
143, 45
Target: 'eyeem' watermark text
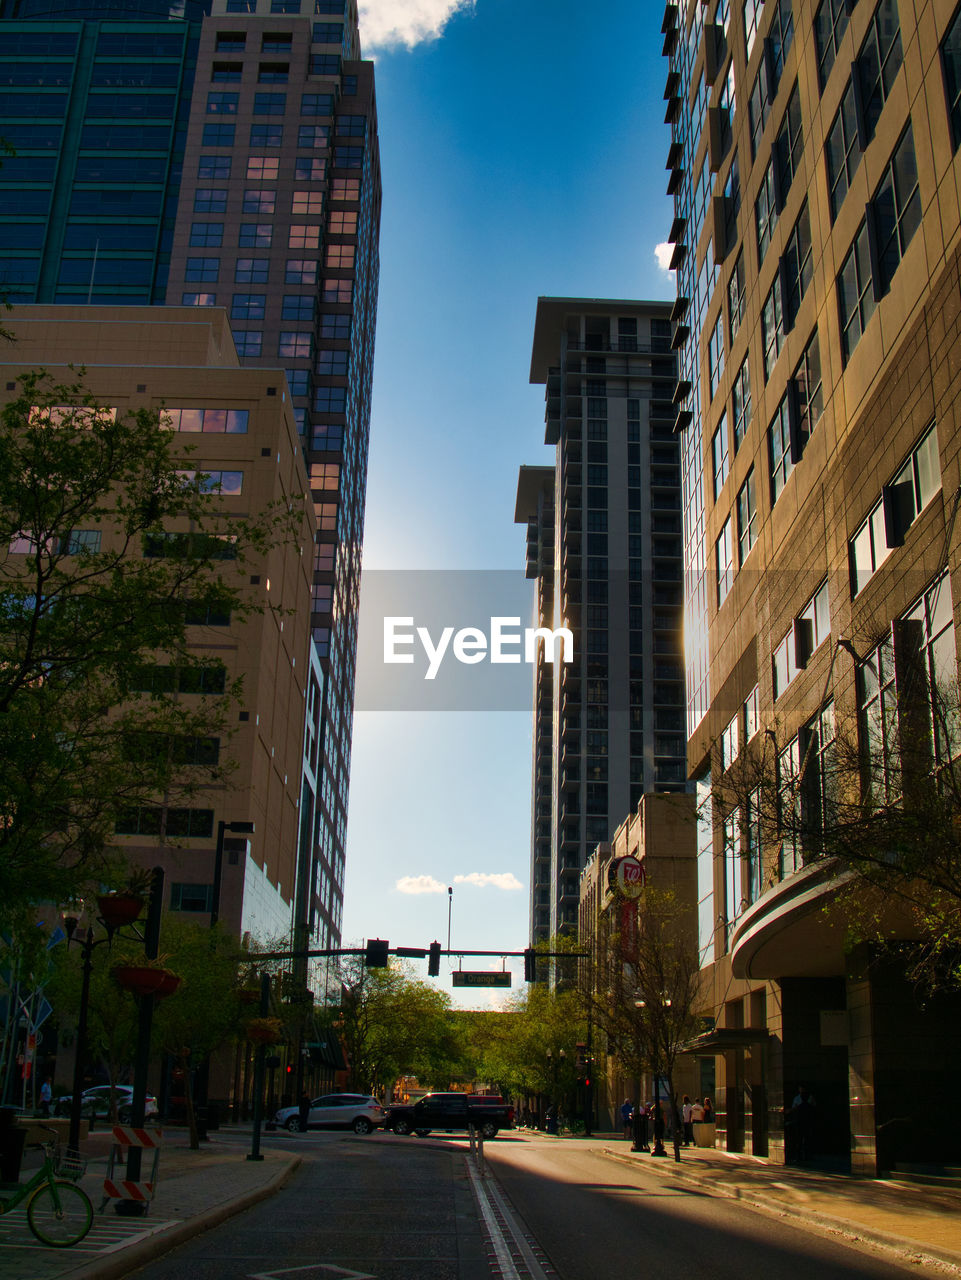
471, 645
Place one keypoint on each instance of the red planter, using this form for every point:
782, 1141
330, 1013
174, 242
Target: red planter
144, 981
118, 909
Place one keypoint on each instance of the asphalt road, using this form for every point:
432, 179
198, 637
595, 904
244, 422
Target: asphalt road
381, 1208
358, 1207
594, 1217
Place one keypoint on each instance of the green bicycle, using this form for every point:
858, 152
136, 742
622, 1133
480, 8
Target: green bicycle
59, 1213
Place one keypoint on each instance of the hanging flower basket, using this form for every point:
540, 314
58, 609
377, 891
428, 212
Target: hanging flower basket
264, 1030
144, 981
118, 909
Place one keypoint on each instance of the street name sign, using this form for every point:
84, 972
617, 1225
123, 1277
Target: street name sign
488, 978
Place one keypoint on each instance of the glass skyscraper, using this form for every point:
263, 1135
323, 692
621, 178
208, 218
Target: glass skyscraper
222, 155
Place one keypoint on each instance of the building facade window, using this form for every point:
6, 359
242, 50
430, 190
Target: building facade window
773, 326
856, 301
897, 208
797, 263
780, 454
736, 296
842, 150
741, 403
951, 61
720, 463
715, 355
746, 517
830, 24
878, 63
725, 562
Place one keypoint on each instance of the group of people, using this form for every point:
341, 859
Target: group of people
646, 1113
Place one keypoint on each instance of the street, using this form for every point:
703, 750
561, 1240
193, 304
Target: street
415, 1209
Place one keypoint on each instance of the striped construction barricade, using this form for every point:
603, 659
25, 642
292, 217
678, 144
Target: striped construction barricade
140, 1190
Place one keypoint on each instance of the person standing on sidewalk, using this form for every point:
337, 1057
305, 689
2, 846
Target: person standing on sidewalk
303, 1111
687, 1119
627, 1110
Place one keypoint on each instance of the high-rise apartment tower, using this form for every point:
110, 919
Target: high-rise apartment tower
604, 542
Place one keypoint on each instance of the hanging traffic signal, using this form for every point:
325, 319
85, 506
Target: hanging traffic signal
377, 953
433, 960
530, 965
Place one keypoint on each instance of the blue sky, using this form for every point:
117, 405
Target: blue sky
523, 153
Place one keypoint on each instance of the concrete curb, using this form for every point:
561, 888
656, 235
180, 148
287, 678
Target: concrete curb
906, 1249
153, 1247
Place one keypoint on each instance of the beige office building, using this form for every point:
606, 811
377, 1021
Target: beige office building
815, 171
241, 424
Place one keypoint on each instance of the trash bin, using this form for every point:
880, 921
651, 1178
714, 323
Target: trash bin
12, 1139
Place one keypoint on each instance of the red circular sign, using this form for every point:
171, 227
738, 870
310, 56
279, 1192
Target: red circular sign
627, 875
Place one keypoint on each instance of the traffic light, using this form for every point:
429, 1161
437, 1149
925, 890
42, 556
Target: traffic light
376, 954
530, 965
433, 960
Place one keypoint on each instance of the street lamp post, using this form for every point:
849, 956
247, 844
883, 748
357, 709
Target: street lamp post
658, 1148
150, 938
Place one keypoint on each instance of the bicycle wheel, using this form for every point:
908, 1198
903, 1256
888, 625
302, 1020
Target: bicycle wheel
59, 1214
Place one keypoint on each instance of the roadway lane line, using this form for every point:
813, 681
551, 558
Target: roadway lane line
504, 1260
498, 1218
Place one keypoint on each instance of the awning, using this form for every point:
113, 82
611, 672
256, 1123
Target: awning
723, 1038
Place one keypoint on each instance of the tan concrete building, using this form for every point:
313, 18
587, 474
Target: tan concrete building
240, 423
660, 835
815, 170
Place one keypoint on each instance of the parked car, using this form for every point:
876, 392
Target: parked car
96, 1102
354, 1111
449, 1111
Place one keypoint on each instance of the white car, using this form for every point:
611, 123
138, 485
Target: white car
354, 1111
96, 1102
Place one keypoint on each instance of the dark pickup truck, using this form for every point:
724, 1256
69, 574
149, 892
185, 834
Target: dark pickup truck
451, 1111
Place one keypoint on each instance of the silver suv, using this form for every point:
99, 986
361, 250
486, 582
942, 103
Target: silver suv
336, 1111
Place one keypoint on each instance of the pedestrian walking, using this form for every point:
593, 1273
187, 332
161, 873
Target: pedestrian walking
708, 1111
802, 1110
687, 1119
46, 1097
627, 1111
303, 1112
642, 1140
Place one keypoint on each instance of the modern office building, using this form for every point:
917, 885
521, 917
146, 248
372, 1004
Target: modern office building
814, 166
278, 220
604, 533
240, 425
222, 155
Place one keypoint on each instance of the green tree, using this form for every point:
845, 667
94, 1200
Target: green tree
108, 550
644, 989
205, 1012
201, 1016
393, 1025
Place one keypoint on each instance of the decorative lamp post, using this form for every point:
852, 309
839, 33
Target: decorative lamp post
117, 912
658, 1148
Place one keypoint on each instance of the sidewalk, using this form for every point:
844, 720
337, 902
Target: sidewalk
195, 1191
920, 1223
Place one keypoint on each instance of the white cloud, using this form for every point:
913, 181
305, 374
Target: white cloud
385, 24
502, 880
419, 884
663, 252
